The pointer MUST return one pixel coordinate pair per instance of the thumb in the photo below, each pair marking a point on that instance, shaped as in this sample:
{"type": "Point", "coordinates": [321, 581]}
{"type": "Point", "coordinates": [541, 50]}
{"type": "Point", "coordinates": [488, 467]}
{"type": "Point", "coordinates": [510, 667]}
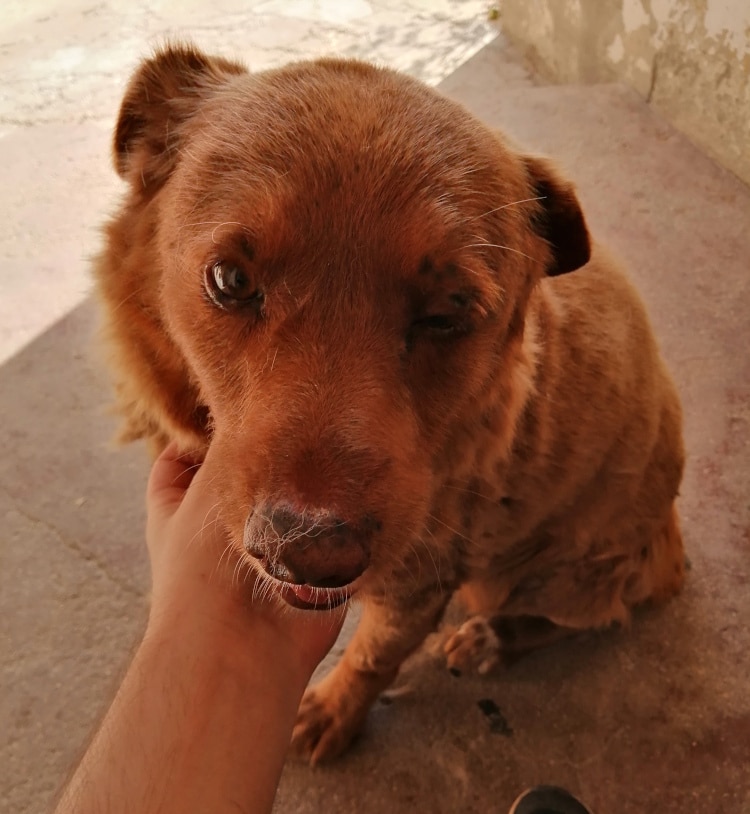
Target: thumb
{"type": "Point", "coordinates": [171, 475]}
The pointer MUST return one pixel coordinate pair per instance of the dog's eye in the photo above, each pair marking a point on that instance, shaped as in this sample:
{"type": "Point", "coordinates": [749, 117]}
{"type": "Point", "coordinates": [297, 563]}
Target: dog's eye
{"type": "Point", "coordinates": [232, 281]}
{"type": "Point", "coordinates": [228, 283]}
{"type": "Point", "coordinates": [438, 324]}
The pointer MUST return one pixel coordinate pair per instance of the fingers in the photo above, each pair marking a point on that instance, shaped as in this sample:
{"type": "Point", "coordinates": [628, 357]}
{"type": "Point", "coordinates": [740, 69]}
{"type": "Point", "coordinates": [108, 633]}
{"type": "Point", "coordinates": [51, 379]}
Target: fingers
{"type": "Point", "coordinates": [193, 555]}
{"type": "Point", "coordinates": [171, 475]}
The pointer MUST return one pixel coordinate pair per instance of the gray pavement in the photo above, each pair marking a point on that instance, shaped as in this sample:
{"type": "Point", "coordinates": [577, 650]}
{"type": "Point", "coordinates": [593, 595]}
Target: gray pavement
{"type": "Point", "coordinates": [653, 719]}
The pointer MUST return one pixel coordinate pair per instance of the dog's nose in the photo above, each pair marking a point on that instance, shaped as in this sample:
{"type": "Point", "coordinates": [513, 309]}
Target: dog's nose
{"type": "Point", "coordinates": [314, 548]}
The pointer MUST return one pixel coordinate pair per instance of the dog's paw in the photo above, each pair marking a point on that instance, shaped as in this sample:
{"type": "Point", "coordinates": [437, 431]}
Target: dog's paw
{"type": "Point", "coordinates": [326, 724]}
{"type": "Point", "coordinates": [474, 646]}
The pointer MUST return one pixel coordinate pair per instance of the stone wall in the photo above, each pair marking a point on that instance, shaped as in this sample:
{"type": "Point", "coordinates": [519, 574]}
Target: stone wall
{"type": "Point", "coordinates": [689, 58]}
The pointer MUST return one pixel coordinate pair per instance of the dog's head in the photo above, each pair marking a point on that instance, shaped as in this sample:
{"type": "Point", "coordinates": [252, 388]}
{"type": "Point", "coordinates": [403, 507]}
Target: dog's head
{"type": "Point", "coordinates": [343, 258]}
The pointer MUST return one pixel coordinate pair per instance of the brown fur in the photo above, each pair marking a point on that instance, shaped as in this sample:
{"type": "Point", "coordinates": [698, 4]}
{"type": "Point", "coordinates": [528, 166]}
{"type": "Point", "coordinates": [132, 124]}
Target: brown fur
{"type": "Point", "coordinates": [530, 457]}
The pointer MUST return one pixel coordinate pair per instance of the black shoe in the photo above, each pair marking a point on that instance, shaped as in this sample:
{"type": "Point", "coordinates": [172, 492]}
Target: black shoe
{"type": "Point", "coordinates": [548, 800]}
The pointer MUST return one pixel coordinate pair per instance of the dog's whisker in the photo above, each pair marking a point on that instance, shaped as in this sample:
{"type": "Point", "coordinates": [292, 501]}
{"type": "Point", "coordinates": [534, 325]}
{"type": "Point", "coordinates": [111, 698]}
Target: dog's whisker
{"type": "Point", "coordinates": [130, 296]}
{"type": "Point", "coordinates": [184, 471]}
{"type": "Point", "coordinates": [228, 549]}
{"type": "Point", "coordinates": [466, 491]}
{"type": "Point", "coordinates": [204, 525]}
{"type": "Point", "coordinates": [508, 205]}
{"type": "Point", "coordinates": [500, 246]}
{"type": "Point", "coordinates": [235, 572]}
{"type": "Point", "coordinates": [412, 548]}
{"type": "Point", "coordinates": [451, 529]}
{"type": "Point", "coordinates": [435, 565]}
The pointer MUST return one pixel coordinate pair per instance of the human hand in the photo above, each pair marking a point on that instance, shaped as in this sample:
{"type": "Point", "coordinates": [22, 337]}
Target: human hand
{"type": "Point", "coordinates": [200, 577]}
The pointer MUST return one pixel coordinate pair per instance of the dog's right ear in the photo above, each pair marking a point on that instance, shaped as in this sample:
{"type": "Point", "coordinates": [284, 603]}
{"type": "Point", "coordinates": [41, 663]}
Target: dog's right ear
{"type": "Point", "coordinates": [164, 92]}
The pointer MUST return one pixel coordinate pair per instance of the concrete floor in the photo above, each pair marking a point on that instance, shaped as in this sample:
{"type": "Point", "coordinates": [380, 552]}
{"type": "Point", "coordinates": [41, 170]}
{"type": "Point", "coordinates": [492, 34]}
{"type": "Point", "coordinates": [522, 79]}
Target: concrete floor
{"type": "Point", "coordinates": [655, 719]}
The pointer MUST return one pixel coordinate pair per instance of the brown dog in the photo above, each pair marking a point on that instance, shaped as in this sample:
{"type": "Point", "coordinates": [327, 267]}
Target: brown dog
{"type": "Point", "coordinates": [360, 296]}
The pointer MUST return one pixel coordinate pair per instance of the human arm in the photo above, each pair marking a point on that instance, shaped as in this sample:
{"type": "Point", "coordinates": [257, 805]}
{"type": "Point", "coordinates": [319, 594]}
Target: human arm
{"type": "Point", "coordinates": [203, 718]}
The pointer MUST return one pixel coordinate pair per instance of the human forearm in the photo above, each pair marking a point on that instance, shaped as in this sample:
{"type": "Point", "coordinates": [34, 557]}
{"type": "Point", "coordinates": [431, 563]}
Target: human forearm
{"type": "Point", "coordinates": [200, 724]}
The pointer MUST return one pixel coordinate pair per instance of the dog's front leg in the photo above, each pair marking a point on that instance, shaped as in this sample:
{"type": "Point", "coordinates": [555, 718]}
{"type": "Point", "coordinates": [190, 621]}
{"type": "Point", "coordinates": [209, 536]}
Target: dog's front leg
{"type": "Point", "coordinates": [334, 710]}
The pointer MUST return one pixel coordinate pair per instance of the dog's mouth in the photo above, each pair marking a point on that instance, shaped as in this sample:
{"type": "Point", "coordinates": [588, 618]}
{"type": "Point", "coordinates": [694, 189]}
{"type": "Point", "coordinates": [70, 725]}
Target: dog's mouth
{"type": "Point", "coordinates": [308, 597]}
{"type": "Point", "coordinates": [303, 595]}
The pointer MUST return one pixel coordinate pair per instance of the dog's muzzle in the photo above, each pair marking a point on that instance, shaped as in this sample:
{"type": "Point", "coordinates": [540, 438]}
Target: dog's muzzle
{"type": "Point", "coordinates": [314, 554]}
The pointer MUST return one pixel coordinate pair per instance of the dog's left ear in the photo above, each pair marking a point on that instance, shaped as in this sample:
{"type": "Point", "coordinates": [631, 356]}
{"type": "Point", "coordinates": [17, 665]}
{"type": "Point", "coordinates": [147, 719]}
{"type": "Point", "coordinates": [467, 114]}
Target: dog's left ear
{"type": "Point", "coordinates": [164, 92]}
{"type": "Point", "coordinates": [559, 220]}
